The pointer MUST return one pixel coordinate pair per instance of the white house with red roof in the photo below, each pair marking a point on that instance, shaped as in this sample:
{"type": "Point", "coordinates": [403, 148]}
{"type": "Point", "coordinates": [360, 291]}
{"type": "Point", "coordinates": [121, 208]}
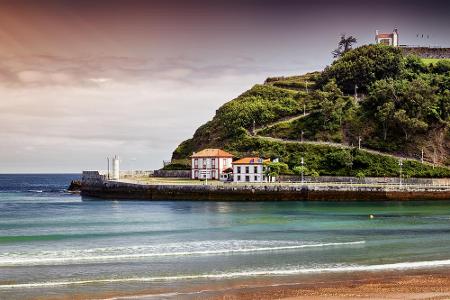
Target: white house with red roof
{"type": "Point", "coordinates": [250, 169]}
{"type": "Point", "coordinates": [388, 39]}
{"type": "Point", "coordinates": [210, 163]}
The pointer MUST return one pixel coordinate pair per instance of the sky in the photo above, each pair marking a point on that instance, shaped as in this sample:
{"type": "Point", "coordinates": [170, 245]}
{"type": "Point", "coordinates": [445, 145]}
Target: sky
{"type": "Point", "coordinates": [84, 80]}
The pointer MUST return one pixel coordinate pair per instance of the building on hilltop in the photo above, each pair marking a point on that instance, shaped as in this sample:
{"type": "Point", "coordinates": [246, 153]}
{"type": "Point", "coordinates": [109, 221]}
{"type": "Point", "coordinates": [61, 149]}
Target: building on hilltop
{"type": "Point", "coordinates": [210, 163]}
{"type": "Point", "coordinates": [388, 39]}
{"type": "Point", "coordinates": [250, 169]}
{"type": "Point", "coordinates": [423, 51]}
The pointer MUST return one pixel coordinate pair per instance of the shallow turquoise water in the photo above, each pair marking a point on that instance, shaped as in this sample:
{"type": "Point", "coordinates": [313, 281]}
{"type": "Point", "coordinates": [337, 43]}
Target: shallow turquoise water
{"type": "Point", "coordinates": [54, 243]}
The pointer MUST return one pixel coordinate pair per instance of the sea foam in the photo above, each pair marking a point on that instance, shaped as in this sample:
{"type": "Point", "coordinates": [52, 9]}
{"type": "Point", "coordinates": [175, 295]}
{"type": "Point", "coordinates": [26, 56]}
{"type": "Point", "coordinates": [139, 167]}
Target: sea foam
{"type": "Point", "coordinates": [101, 255]}
{"type": "Point", "coordinates": [249, 273]}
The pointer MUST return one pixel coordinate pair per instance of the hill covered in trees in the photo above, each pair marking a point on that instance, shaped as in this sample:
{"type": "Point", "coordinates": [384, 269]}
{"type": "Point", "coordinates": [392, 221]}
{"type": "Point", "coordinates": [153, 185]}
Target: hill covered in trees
{"type": "Point", "coordinates": [402, 108]}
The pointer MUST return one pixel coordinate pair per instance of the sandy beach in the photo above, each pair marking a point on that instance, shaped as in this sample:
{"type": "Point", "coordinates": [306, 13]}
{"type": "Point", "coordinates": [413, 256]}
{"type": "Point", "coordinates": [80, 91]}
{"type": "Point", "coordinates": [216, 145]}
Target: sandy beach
{"type": "Point", "coordinates": [418, 284]}
{"type": "Point", "coordinates": [426, 285]}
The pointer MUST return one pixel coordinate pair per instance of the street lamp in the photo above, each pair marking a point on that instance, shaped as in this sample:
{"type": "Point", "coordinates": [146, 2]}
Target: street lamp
{"type": "Point", "coordinates": [400, 163]}
{"type": "Point", "coordinates": [302, 163]}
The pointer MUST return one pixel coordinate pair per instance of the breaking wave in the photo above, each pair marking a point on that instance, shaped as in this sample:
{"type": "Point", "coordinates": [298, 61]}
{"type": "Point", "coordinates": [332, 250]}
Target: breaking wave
{"type": "Point", "coordinates": [251, 273]}
{"type": "Point", "coordinates": [100, 255]}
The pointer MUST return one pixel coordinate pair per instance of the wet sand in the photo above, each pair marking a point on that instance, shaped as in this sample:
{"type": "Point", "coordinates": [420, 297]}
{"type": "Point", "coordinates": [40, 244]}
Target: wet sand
{"type": "Point", "coordinates": [418, 284]}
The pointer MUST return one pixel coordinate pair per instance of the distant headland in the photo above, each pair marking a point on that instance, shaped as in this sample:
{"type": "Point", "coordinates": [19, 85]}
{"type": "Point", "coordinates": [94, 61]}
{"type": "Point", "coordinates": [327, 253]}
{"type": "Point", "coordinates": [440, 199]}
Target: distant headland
{"type": "Point", "coordinates": [378, 116]}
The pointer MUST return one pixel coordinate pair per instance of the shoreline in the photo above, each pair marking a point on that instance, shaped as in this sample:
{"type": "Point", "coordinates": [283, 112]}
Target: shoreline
{"type": "Point", "coordinates": [411, 284]}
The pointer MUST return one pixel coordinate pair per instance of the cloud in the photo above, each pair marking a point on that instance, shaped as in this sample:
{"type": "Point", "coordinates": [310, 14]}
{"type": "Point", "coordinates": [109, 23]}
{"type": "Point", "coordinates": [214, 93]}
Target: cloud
{"type": "Point", "coordinates": [85, 108]}
{"type": "Point", "coordinates": [54, 108]}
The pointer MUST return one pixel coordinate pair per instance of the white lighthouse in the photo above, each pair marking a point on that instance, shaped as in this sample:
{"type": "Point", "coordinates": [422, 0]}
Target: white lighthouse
{"type": "Point", "coordinates": [115, 168]}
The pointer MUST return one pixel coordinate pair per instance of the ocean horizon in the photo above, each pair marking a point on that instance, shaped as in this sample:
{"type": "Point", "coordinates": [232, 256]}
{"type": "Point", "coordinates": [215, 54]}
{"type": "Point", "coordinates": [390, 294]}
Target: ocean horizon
{"type": "Point", "coordinates": [57, 244]}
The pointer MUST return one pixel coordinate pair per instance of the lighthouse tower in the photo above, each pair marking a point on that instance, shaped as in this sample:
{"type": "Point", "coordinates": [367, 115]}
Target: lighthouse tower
{"type": "Point", "coordinates": [115, 168]}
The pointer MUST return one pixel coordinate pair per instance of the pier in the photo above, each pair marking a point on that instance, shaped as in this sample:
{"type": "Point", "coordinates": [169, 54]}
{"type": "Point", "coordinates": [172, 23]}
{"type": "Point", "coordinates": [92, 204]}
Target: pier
{"type": "Point", "coordinates": [96, 185]}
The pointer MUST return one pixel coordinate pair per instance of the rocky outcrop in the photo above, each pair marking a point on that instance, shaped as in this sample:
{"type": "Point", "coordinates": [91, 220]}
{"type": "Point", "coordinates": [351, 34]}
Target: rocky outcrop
{"type": "Point", "coordinates": [75, 186]}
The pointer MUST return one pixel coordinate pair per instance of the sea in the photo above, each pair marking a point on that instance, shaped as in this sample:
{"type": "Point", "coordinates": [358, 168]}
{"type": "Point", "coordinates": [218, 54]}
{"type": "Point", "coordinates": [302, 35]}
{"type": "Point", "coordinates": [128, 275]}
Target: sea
{"type": "Point", "coordinates": [54, 244]}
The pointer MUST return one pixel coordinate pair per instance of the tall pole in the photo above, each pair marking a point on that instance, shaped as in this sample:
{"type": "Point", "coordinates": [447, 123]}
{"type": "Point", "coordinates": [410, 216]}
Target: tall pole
{"type": "Point", "coordinates": [421, 157]}
{"type": "Point", "coordinates": [400, 163]}
{"type": "Point", "coordinates": [303, 162]}
{"type": "Point", "coordinates": [434, 157]}
{"type": "Point", "coordinates": [107, 161]}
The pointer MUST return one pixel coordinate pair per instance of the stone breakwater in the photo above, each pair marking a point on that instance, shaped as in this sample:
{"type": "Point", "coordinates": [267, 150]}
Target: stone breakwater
{"type": "Point", "coordinates": [93, 186]}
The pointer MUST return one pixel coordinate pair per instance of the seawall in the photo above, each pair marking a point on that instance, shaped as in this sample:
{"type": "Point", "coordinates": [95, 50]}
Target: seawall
{"type": "Point", "coordinates": [93, 186]}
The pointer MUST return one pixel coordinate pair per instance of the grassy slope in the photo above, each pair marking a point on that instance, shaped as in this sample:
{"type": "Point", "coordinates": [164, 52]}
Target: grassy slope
{"type": "Point", "coordinates": [268, 103]}
{"type": "Point", "coordinates": [429, 61]}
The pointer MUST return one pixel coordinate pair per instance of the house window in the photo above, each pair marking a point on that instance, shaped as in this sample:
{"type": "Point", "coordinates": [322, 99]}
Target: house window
{"type": "Point", "coordinates": [255, 169]}
{"type": "Point", "coordinates": [239, 178]}
{"type": "Point", "coordinates": [238, 169]}
{"type": "Point", "coordinates": [256, 178]}
{"type": "Point", "coordinates": [213, 163]}
{"type": "Point", "coordinates": [196, 163]}
{"type": "Point", "coordinates": [247, 170]}
{"type": "Point", "coordinates": [247, 178]}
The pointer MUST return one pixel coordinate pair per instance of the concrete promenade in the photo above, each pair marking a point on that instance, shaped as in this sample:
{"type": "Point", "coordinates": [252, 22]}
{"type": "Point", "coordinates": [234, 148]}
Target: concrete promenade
{"type": "Point", "coordinates": [95, 185]}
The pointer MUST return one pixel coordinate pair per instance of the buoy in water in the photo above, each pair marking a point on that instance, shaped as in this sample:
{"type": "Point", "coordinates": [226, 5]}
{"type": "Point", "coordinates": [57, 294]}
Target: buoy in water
{"type": "Point", "coordinates": [371, 217]}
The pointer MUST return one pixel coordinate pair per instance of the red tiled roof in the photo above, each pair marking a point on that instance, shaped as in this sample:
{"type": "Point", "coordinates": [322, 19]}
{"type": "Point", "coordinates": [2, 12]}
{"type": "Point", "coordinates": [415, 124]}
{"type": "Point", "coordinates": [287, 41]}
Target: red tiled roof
{"type": "Point", "coordinates": [385, 35]}
{"type": "Point", "coordinates": [212, 153]}
{"type": "Point", "coordinates": [250, 160]}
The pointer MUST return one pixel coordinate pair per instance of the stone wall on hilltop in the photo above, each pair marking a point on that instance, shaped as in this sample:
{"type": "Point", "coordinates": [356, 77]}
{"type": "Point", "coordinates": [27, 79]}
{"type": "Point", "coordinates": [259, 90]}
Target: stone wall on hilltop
{"type": "Point", "coordinates": [427, 52]}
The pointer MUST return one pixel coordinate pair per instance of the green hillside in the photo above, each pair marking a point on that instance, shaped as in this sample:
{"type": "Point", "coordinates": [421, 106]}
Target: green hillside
{"type": "Point", "coordinates": [402, 108]}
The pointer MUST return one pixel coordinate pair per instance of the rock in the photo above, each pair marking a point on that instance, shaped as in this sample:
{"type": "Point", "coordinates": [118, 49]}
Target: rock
{"type": "Point", "coordinates": [75, 186]}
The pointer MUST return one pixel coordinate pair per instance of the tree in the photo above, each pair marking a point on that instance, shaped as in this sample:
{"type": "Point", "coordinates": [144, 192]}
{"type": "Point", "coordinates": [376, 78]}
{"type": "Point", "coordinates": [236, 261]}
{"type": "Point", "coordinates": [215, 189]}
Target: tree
{"type": "Point", "coordinates": [411, 105]}
{"type": "Point", "coordinates": [441, 67]}
{"type": "Point", "coordinates": [274, 169]}
{"type": "Point", "coordinates": [362, 67]}
{"type": "Point", "coordinates": [313, 173]}
{"type": "Point", "coordinates": [338, 159]}
{"type": "Point", "coordinates": [331, 104]}
{"type": "Point", "coordinates": [384, 114]}
{"type": "Point", "coordinates": [408, 124]}
{"type": "Point", "coordinates": [360, 175]}
{"type": "Point", "coordinates": [345, 44]}
{"type": "Point", "coordinates": [300, 170]}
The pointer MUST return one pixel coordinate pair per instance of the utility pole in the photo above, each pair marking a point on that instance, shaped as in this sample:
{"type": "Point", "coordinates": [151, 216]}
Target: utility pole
{"type": "Point", "coordinates": [400, 163]}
